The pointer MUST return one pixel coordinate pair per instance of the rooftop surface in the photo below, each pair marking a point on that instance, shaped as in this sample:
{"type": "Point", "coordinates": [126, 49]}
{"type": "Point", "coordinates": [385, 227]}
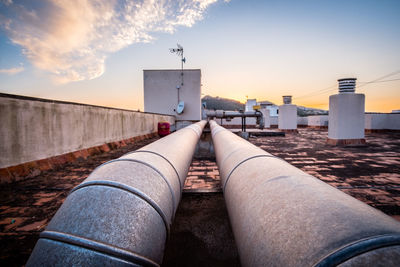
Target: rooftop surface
{"type": "Point", "coordinates": [201, 232]}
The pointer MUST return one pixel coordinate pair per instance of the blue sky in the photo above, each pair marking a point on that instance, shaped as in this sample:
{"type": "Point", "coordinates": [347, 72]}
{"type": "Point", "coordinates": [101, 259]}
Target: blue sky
{"type": "Point", "coordinates": [95, 51]}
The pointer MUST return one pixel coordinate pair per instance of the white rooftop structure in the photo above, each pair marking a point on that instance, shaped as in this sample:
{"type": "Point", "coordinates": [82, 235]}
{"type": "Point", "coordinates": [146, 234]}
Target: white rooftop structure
{"type": "Point", "coordinates": [165, 89]}
{"type": "Point", "coordinates": [249, 104]}
{"type": "Point", "coordinates": [346, 114]}
{"type": "Point", "coordinates": [287, 115]}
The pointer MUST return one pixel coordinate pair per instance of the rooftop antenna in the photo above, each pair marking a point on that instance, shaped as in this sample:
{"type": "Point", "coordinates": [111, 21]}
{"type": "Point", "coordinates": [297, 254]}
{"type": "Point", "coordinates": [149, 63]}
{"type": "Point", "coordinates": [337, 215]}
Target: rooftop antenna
{"type": "Point", "coordinates": [179, 52]}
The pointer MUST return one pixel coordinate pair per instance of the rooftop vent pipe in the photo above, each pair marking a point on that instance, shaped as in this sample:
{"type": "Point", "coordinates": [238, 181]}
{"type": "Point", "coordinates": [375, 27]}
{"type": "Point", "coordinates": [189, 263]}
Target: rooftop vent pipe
{"type": "Point", "coordinates": [121, 214]}
{"type": "Point", "coordinates": [281, 216]}
{"type": "Point", "coordinates": [287, 99]}
{"type": "Point", "coordinates": [347, 85]}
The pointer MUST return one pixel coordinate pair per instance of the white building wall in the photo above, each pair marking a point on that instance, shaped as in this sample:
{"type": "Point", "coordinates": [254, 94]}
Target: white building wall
{"type": "Point", "coordinates": [273, 110]}
{"type": "Point", "coordinates": [161, 93]}
{"type": "Point", "coordinates": [287, 117]}
{"type": "Point", "coordinates": [346, 116]}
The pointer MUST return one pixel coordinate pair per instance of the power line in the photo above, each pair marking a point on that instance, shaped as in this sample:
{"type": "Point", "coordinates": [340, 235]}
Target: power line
{"type": "Point", "coordinates": [317, 92]}
{"type": "Point", "coordinates": [329, 89]}
{"type": "Point", "coordinates": [380, 78]}
{"type": "Point", "coordinates": [381, 81]}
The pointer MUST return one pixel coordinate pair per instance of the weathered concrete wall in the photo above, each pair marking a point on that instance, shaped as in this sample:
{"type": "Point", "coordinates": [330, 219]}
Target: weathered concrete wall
{"type": "Point", "coordinates": [161, 93]}
{"type": "Point", "coordinates": [33, 129]}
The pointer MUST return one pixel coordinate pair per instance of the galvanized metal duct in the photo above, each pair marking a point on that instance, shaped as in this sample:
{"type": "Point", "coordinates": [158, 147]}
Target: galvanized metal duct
{"type": "Point", "coordinates": [232, 114]}
{"type": "Point", "coordinates": [228, 115]}
{"type": "Point", "coordinates": [121, 214]}
{"type": "Point", "coordinates": [282, 216]}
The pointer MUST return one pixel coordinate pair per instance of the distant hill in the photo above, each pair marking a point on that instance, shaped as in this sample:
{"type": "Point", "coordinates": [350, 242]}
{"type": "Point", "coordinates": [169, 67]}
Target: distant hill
{"type": "Point", "coordinates": [304, 111]}
{"type": "Point", "coordinates": [219, 103]}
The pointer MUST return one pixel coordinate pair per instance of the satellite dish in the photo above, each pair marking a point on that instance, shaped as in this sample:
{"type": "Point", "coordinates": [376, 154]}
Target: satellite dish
{"type": "Point", "coordinates": [180, 107]}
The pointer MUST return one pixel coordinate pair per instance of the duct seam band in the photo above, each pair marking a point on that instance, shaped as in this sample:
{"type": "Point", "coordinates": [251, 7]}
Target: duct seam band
{"type": "Point", "coordinates": [243, 161]}
{"type": "Point", "coordinates": [357, 248]}
{"type": "Point", "coordinates": [98, 247]}
{"type": "Point", "coordinates": [195, 128]}
{"type": "Point", "coordinates": [233, 153]}
{"type": "Point", "coordinates": [155, 153]}
{"type": "Point", "coordinates": [214, 133]}
{"type": "Point", "coordinates": [131, 190]}
{"type": "Point", "coordinates": [153, 168]}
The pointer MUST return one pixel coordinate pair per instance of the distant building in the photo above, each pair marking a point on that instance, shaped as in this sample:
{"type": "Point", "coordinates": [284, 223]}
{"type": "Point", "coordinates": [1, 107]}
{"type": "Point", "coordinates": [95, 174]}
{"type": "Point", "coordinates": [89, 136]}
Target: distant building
{"type": "Point", "coordinates": [273, 109]}
{"type": "Point", "coordinates": [249, 104]}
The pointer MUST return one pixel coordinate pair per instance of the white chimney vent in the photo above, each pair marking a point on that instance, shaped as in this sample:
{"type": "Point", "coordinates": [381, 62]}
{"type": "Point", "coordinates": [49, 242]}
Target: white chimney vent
{"type": "Point", "coordinates": [346, 115]}
{"type": "Point", "coordinates": [347, 85]}
{"type": "Point", "coordinates": [287, 120]}
{"type": "Point", "coordinates": [287, 99]}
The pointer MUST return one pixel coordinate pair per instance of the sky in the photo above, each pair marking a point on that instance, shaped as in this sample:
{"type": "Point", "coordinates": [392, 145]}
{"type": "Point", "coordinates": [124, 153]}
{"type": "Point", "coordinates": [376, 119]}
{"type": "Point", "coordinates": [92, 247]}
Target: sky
{"type": "Point", "coordinates": [95, 51]}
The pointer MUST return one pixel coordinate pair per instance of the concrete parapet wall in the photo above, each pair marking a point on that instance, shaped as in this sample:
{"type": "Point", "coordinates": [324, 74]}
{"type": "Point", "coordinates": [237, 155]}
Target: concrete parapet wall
{"type": "Point", "coordinates": [393, 121]}
{"type": "Point", "coordinates": [319, 121]}
{"type": "Point", "coordinates": [382, 121]}
{"type": "Point", "coordinates": [34, 129]}
{"type": "Point", "coordinates": [375, 121]}
{"type": "Point", "coordinates": [302, 121]}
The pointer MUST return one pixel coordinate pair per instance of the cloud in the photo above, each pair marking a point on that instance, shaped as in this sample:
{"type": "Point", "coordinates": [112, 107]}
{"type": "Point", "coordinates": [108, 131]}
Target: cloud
{"type": "Point", "coordinates": [12, 71]}
{"type": "Point", "coordinates": [6, 2]}
{"type": "Point", "coordinates": [71, 39]}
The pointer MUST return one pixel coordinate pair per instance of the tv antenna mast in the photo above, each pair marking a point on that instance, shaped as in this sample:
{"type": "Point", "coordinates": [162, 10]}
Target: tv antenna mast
{"type": "Point", "coordinates": [179, 52]}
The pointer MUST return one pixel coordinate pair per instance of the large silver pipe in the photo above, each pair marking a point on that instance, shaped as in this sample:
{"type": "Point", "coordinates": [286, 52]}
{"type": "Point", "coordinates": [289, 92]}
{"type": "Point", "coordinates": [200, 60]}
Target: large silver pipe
{"type": "Point", "coordinates": [228, 115]}
{"type": "Point", "coordinates": [281, 216]}
{"type": "Point", "coordinates": [121, 214]}
{"type": "Point", "coordinates": [232, 114]}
